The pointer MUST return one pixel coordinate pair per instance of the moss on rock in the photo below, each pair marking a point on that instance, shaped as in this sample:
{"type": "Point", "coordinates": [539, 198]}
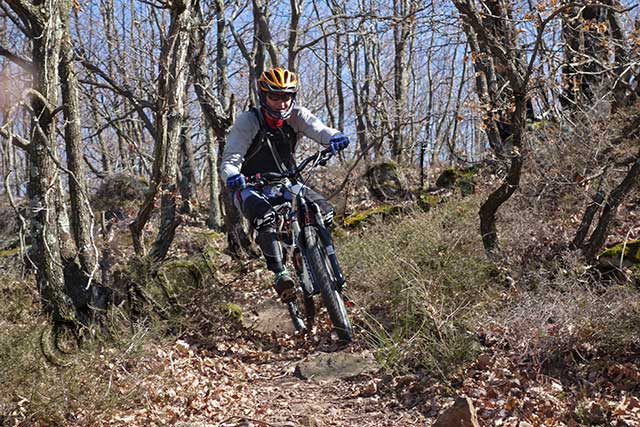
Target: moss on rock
{"type": "Point", "coordinates": [427, 200]}
{"type": "Point", "coordinates": [464, 179]}
{"type": "Point", "coordinates": [233, 311]}
{"type": "Point", "coordinates": [386, 181]}
{"type": "Point", "coordinates": [9, 252]}
{"type": "Point", "coordinates": [625, 251]}
{"type": "Point", "coordinates": [183, 275]}
{"type": "Point", "coordinates": [357, 218]}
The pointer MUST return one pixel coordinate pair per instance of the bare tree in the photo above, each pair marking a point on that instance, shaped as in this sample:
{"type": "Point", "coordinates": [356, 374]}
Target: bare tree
{"type": "Point", "coordinates": [502, 45]}
{"type": "Point", "coordinates": [169, 121]}
{"type": "Point", "coordinates": [82, 221]}
{"type": "Point", "coordinates": [596, 54]}
{"type": "Point", "coordinates": [216, 120]}
{"type": "Point", "coordinates": [66, 292]}
{"type": "Point", "coordinates": [403, 30]}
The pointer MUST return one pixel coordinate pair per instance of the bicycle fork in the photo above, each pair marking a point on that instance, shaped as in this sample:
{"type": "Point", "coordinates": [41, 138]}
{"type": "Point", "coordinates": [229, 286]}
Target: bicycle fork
{"type": "Point", "coordinates": [305, 212]}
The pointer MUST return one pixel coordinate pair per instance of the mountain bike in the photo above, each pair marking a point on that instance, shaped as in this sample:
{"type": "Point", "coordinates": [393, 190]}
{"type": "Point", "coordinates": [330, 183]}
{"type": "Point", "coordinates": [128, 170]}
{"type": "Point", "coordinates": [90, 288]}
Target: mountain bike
{"type": "Point", "coordinates": [307, 244]}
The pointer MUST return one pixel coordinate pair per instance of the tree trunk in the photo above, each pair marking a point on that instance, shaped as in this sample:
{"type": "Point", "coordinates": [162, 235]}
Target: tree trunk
{"type": "Point", "coordinates": [294, 20]}
{"type": "Point", "coordinates": [217, 122]}
{"type": "Point", "coordinates": [169, 121]}
{"type": "Point", "coordinates": [47, 28]}
{"type": "Point", "coordinates": [401, 33]}
{"type": "Point", "coordinates": [170, 118]}
{"type": "Point", "coordinates": [500, 41]}
{"type": "Point", "coordinates": [82, 220]}
{"type": "Point", "coordinates": [263, 37]}
{"type": "Point", "coordinates": [599, 235]}
{"type": "Point", "coordinates": [497, 198]}
{"type": "Point", "coordinates": [187, 173]}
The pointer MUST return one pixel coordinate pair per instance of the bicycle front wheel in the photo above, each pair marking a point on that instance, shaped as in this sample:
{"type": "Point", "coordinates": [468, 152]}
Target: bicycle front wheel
{"type": "Point", "coordinates": [324, 279]}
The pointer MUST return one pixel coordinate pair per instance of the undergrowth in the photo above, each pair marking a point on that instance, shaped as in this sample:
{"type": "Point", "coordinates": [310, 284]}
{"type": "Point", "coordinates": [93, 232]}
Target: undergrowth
{"type": "Point", "coordinates": [105, 374]}
{"type": "Point", "coordinates": [422, 283]}
{"type": "Point", "coordinates": [567, 315]}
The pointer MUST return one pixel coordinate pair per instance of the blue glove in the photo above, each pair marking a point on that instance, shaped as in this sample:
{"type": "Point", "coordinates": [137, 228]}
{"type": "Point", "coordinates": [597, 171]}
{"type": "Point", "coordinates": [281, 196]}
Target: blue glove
{"type": "Point", "coordinates": [236, 182]}
{"type": "Point", "coordinates": [338, 142]}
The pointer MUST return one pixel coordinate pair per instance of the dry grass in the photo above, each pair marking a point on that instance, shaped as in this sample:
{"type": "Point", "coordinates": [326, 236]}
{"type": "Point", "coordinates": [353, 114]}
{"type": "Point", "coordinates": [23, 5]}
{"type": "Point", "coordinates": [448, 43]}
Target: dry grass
{"type": "Point", "coordinates": [421, 283]}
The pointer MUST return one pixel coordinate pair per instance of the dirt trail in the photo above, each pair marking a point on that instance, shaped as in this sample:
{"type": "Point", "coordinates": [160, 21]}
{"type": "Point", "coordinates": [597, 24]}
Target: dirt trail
{"type": "Point", "coordinates": [249, 369]}
{"type": "Point", "coordinates": [263, 380]}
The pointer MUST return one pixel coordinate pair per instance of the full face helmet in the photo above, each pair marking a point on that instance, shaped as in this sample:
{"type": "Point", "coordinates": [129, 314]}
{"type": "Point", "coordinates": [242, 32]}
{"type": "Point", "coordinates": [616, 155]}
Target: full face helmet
{"type": "Point", "coordinates": [278, 82]}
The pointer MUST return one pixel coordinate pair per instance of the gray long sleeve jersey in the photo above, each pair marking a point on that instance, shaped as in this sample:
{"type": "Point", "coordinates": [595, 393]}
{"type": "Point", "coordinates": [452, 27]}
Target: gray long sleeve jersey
{"type": "Point", "coordinates": [246, 127]}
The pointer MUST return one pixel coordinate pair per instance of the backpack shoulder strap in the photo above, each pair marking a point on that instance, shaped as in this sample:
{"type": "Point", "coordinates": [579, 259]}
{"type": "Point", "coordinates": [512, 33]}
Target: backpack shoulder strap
{"type": "Point", "coordinates": [260, 137]}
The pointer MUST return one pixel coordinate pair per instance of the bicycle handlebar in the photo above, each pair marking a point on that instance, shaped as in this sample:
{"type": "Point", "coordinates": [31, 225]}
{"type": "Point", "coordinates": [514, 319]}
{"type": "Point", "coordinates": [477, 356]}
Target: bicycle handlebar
{"type": "Point", "coordinates": [318, 158]}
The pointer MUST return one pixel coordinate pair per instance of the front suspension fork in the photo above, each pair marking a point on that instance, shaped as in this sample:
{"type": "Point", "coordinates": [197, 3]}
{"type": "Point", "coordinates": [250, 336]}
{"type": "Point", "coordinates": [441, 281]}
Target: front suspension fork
{"type": "Point", "coordinates": [308, 209]}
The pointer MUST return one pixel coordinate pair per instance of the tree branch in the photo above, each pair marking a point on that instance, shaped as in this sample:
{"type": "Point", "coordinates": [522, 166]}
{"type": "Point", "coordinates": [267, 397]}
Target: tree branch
{"type": "Point", "coordinates": [22, 62]}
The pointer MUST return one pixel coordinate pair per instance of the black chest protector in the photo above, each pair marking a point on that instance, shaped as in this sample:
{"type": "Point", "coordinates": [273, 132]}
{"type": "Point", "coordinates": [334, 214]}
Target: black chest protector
{"type": "Point", "coordinates": [271, 149]}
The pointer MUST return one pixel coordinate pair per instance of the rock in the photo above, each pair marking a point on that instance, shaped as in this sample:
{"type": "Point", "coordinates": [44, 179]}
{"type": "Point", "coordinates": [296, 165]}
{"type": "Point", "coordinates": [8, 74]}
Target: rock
{"type": "Point", "coordinates": [461, 414]}
{"type": "Point", "coordinates": [269, 316]}
{"type": "Point", "coordinates": [382, 211]}
{"type": "Point", "coordinates": [386, 182]}
{"type": "Point", "coordinates": [309, 421]}
{"type": "Point", "coordinates": [117, 191]}
{"type": "Point", "coordinates": [463, 179]}
{"type": "Point", "coordinates": [430, 198]}
{"type": "Point", "coordinates": [623, 254]}
{"type": "Point", "coordinates": [336, 366]}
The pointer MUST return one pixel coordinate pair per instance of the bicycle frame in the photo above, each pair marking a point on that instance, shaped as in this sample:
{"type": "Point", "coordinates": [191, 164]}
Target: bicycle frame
{"type": "Point", "coordinates": [302, 220]}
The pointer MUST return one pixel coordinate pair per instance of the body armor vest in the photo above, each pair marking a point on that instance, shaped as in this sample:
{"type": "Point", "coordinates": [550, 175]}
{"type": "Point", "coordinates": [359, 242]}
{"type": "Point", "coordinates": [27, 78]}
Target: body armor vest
{"type": "Point", "coordinates": [271, 149]}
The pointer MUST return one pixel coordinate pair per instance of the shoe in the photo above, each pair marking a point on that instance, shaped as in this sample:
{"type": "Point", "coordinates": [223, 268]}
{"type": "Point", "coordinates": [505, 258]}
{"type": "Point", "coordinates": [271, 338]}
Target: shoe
{"type": "Point", "coordinates": [285, 287]}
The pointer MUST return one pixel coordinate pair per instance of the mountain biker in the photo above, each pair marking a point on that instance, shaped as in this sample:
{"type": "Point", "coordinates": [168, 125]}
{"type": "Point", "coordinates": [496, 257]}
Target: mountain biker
{"type": "Point", "coordinates": [264, 140]}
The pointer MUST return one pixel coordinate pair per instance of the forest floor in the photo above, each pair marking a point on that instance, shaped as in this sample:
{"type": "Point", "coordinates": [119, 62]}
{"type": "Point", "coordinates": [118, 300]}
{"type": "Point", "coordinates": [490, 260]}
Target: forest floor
{"type": "Point", "coordinates": [249, 369]}
{"type": "Point", "coordinates": [236, 361]}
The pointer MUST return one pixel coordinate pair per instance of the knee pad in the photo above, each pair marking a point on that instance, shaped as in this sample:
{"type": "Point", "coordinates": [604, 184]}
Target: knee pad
{"type": "Point", "coordinates": [265, 221]}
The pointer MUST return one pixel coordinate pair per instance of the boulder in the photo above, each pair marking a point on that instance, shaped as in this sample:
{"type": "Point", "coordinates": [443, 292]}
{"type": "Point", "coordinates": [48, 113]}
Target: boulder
{"type": "Point", "coordinates": [430, 198]}
{"type": "Point", "coordinates": [117, 191]}
{"type": "Point", "coordinates": [461, 414]}
{"type": "Point", "coordinates": [461, 178]}
{"type": "Point", "coordinates": [327, 366]}
{"type": "Point", "coordinates": [625, 254]}
{"type": "Point", "coordinates": [386, 181]}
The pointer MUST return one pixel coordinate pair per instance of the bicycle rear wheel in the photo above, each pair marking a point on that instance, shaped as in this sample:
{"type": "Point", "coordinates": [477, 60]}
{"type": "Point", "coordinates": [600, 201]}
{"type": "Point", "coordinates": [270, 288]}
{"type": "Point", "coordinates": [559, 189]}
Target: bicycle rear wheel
{"type": "Point", "coordinates": [323, 277]}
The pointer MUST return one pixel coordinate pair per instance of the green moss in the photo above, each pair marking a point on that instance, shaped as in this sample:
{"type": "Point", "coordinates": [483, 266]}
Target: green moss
{"type": "Point", "coordinates": [427, 201]}
{"type": "Point", "coordinates": [9, 252]}
{"type": "Point", "coordinates": [386, 181]}
{"type": "Point", "coordinates": [358, 218]}
{"type": "Point", "coordinates": [212, 236]}
{"type": "Point", "coordinates": [631, 252]}
{"type": "Point", "coordinates": [181, 276]}
{"type": "Point", "coordinates": [234, 311]}
{"type": "Point", "coordinates": [210, 254]}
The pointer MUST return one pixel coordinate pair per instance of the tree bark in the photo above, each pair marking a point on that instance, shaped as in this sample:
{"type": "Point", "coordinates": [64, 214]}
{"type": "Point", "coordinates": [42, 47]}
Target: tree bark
{"type": "Point", "coordinates": [216, 120]}
{"type": "Point", "coordinates": [501, 43]}
{"type": "Point", "coordinates": [47, 28]}
{"type": "Point", "coordinates": [599, 235]}
{"type": "Point", "coordinates": [169, 121]}
{"type": "Point", "coordinates": [187, 172]}
{"type": "Point", "coordinates": [82, 221]}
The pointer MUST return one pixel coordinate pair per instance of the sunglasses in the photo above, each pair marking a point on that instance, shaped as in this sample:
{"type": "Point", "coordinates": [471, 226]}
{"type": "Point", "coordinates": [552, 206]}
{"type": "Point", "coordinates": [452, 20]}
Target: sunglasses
{"type": "Point", "coordinates": [280, 96]}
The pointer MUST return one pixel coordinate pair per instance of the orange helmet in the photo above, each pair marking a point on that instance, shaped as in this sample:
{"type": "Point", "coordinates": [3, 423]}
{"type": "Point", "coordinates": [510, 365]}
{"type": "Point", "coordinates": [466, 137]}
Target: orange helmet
{"type": "Point", "coordinates": [278, 80]}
